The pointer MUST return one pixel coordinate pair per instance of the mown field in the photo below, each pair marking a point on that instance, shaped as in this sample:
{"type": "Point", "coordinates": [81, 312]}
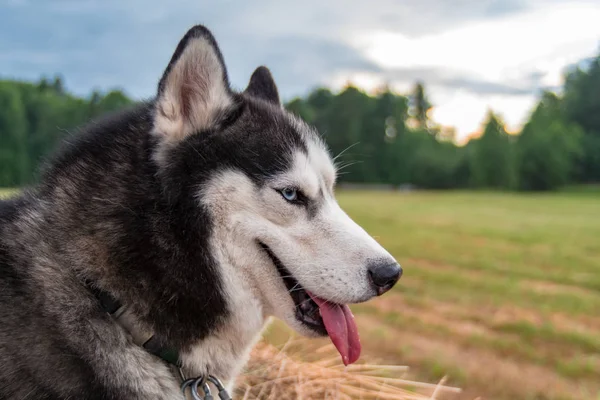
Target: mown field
{"type": "Point", "coordinates": [501, 292]}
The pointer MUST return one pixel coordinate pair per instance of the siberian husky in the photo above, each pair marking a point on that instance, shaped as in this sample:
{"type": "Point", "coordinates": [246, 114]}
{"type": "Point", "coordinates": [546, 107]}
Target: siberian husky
{"type": "Point", "coordinates": [173, 231]}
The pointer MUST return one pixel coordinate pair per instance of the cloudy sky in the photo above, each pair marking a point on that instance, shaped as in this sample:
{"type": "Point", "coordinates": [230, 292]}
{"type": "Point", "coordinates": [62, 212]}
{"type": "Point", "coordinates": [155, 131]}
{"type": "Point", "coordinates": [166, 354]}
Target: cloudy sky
{"type": "Point", "coordinates": [471, 54]}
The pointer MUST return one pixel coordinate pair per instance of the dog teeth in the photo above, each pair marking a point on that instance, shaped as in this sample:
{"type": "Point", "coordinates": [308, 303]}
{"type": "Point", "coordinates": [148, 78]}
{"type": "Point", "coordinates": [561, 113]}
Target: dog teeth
{"type": "Point", "coordinates": [311, 320]}
{"type": "Point", "coordinates": [308, 311]}
{"type": "Point", "coordinates": [306, 307]}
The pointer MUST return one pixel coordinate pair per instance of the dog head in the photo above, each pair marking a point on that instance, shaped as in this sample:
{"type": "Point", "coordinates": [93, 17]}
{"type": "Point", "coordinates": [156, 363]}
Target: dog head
{"type": "Point", "coordinates": [266, 181]}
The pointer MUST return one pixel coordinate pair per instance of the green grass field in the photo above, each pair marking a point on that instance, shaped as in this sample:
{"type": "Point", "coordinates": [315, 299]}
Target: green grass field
{"type": "Point", "coordinates": [6, 192]}
{"type": "Point", "coordinates": [501, 292]}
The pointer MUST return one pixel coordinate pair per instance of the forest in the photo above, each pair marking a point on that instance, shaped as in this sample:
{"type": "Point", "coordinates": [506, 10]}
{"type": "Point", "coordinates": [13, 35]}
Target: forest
{"type": "Point", "coordinates": [383, 137]}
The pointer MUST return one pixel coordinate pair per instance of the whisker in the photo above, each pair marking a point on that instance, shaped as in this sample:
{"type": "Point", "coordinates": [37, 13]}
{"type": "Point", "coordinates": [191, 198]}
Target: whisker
{"type": "Point", "coordinates": [346, 165]}
{"type": "Point", "coordinates": [345, 150]}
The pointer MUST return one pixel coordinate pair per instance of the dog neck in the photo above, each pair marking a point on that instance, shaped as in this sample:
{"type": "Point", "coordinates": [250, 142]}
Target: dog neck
{"type": "Point", "coordinates": [226, 350]}
{"type": "Point", "coordinates": [221, 354]}
{"type": "Point", "coordinates": [142, 337]}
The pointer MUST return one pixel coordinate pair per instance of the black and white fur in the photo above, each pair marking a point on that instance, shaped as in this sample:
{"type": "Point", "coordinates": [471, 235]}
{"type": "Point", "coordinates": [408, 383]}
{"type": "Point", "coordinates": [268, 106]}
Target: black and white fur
{"type": "Point", "coordinates": [168, 206]}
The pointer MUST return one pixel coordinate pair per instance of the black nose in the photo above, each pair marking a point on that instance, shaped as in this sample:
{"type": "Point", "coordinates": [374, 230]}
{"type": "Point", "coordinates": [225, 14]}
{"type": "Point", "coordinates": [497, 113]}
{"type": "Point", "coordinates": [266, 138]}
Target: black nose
{"type": "Point", "coordinates": [384, 275]}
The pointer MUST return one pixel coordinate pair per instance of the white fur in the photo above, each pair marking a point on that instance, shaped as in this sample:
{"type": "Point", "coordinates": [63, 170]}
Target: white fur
{"type": "Point", "coordinates": [225, 352]}
{"type": "Point", "coordinates": [327, 253]}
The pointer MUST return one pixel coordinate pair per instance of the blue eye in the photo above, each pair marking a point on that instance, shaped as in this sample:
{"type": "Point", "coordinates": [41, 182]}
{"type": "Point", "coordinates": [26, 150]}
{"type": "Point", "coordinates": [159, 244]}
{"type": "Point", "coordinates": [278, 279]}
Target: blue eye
{"type": "Point", "coordinates": [290, 194]}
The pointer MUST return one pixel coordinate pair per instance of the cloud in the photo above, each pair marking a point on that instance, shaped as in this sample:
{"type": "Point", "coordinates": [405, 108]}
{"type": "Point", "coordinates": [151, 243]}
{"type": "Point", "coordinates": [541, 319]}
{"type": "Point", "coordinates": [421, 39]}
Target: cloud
{"type": "Point", "coordinates": [499, 63]}
{"type": "Point", "coordinates": [403, 78]}
{"type": "Point", "coordinates": [299, 63]}
{"type": "Point", "coordinates": [470, 53]}
{"type": "Point", "coordinates": [479, 86]}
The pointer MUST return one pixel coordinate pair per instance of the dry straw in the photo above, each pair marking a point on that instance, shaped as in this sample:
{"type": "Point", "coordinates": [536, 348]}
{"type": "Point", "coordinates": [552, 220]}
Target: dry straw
{"type": "Point", "coordinates": [299, 370]}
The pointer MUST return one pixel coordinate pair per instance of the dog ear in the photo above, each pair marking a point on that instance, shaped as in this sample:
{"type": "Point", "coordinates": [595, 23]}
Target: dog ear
{"type": "Point", "coordinates": [263, 86]}
{"type": "Point", "coordinates": [194, 89]}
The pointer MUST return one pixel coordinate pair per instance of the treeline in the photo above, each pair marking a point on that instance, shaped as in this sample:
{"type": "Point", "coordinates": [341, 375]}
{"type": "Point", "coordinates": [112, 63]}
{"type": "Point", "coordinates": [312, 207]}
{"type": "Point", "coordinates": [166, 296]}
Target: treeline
{"type": "Point", "coordinates": [384, 138]}
{"type": "Point", "coordinates": [390, 139]}
{"type": "Point", "coordinates": [34, 118]}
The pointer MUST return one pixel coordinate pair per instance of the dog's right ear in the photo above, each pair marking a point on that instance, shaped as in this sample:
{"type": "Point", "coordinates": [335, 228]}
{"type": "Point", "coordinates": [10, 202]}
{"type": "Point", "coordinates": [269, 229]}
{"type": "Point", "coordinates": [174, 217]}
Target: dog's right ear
{"type": "Point", "coordinates": [262, 85]}
{"type": "Point", "coordinates": [194, 90]}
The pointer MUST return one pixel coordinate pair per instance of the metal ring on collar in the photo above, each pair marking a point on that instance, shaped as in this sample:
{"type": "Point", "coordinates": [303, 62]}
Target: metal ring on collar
{"type": "Point", "coordinates": [223, 394]}
{"type": "Point", "coordinates": [205, 388]}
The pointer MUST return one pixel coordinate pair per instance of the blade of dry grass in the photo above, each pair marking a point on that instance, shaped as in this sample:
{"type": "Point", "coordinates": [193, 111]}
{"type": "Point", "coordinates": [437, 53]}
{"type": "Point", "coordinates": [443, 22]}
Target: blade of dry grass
{"type": "Point", "coordinates": [298, 370]}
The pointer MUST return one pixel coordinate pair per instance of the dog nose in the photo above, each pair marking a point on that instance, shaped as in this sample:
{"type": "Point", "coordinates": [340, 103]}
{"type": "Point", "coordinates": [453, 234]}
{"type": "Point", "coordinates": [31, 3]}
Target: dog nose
{"type": "Point", "coordinates": [384, 275]}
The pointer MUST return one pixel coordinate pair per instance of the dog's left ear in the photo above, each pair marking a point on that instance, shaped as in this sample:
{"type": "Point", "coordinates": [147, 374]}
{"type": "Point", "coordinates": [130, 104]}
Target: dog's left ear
{"type": "Point", "coordinates": [263, 86]}
{"type": "Point", "coordinates": [194, 90]}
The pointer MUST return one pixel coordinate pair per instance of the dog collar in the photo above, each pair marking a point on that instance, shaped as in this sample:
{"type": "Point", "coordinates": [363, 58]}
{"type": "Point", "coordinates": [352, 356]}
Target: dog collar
{"type": "Point", "coordinates": [123, 316]}
{"type": "Point", "coordinates": [153, 345]}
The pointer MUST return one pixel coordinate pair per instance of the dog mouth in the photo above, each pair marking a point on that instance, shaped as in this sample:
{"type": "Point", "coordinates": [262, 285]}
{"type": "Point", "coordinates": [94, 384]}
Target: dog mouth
{"type": "Point", "coordinates": [319, 315]}
{"type": "Point", "coordinates": [306, 310]}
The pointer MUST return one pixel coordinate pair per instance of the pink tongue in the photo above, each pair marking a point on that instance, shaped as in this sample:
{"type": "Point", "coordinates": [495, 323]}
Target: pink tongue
{"type": "Point", "coordinates": [341, 327]}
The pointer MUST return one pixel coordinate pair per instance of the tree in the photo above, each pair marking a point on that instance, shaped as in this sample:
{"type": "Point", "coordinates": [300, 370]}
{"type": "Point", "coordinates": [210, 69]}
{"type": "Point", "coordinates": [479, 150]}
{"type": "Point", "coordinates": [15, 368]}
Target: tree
{"type": "Point", "coordinates": [114, 100]}
{"type": "Point", "coordinates": [582, 107]}
{"type": "Point", "coordinates": [548, 147]}
{"type": "Point", "coordinates": [345, 128]}
{"type": "Point", "coordinates": [302, 109]}
{"type": "Point", "coordinates": [58, 86]}
{"type": "Point", "coordinates": [381, 127]}
{"type": "Point", "coordinates": [434, 164]}
{"type": "Point", "coordinates": [320, 102]}
{"type": "Point", "coordinates": [491, 157]}
{"type": "Point", "coordinates": [35, 117]}
{"type": "Point", "coordinates": [419, 106]}
{"type": "Point", "coordinates": [14, 161]}
{"type": "Point", "coordinates": [43, 85]}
